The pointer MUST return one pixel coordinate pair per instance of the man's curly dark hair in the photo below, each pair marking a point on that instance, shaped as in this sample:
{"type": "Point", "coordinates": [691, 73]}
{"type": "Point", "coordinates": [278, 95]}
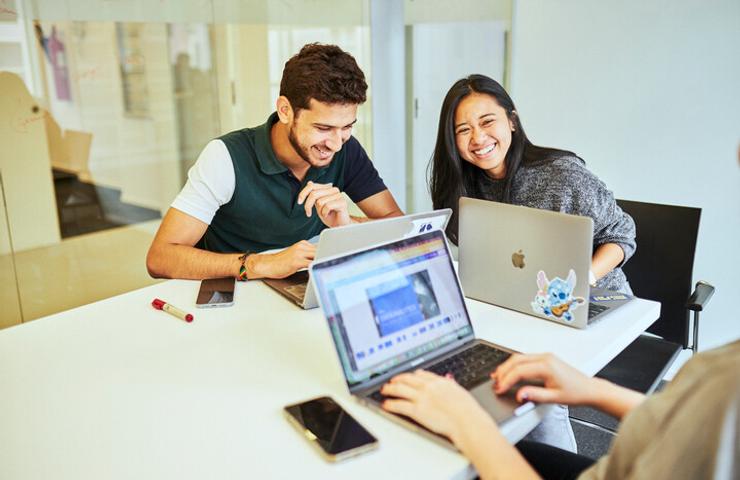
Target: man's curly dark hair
{"type": "Point", "coordinates": [325, 73]}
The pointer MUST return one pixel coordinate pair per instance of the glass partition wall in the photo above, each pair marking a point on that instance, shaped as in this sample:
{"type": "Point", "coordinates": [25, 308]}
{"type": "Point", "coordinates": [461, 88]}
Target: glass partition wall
{"type": "Point", "coordinates": [107, 104]}
{"type": "Point", "coordinates": [121, 97]}
{"type": "Point", "coordinates": [10, 313]}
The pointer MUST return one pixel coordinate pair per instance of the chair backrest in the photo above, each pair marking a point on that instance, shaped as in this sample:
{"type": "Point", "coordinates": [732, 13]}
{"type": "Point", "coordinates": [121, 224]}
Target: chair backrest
{"type": "Point", "coordinates": [661, 268]}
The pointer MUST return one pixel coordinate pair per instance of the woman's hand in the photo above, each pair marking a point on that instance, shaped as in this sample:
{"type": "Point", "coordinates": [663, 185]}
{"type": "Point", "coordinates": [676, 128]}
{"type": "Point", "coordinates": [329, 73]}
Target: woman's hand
{"type": "Point", "coordinates": [606, 258]}
{"type": "Point", "coordinates": [562, 383]}
{"type": "Point", "coordinates": [443, 406]}
{"type": "Point", "coordinates": [438, 403]}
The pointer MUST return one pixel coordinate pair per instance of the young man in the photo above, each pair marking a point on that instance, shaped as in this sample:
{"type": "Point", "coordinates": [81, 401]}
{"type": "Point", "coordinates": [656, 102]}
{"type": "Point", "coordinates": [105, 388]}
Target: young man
{"type": "Point", "coordinates": [278, 184]}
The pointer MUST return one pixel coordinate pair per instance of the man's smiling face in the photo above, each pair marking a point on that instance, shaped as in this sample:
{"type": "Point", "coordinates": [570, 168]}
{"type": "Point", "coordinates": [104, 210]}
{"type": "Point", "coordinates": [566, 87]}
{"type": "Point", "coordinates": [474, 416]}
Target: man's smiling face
{"type": "Point", "coordinates": [319, 131]}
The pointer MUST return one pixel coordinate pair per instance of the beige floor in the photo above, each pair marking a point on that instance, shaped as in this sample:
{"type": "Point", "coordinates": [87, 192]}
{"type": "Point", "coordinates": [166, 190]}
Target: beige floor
{"type": "Point", "coordinates": [77, 271]}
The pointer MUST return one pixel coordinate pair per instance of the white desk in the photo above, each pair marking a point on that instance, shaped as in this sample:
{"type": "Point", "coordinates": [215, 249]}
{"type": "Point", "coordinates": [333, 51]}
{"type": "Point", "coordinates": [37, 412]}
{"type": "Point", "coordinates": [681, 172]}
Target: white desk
{"type": "Point", "coordinates": [117, 389]}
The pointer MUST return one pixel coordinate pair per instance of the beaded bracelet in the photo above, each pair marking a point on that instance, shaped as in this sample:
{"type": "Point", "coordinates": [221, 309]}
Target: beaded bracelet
{"type": "Point", "coordinates": [243, 269]}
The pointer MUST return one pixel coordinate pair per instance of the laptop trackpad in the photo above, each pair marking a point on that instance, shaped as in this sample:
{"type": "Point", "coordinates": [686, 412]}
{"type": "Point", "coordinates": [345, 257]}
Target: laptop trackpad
{"type": "Point", "coordinates": [500, 407]}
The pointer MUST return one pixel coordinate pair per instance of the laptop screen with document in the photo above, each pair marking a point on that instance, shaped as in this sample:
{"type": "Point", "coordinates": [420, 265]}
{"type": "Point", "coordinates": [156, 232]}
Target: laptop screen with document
{"type": "Point", "coordinates": [391, 304]}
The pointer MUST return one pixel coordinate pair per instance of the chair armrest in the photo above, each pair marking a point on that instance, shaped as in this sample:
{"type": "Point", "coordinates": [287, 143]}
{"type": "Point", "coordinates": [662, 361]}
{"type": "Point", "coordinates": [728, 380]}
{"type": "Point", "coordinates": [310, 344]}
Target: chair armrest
{"type": "Point", "coordinates": [700, 297]}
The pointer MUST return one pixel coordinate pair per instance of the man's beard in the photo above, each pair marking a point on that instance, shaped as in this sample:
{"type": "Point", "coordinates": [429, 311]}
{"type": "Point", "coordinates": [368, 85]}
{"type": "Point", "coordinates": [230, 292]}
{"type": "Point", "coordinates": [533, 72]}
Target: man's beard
{"type": "Point", "coordinates": [302, 152]}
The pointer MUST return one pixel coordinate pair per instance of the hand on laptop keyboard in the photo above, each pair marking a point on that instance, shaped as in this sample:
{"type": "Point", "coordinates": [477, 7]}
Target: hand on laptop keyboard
{"type": "Point", "coordinates": [468, 368]}
{"type": "Point", "coordinates": [437, 403]}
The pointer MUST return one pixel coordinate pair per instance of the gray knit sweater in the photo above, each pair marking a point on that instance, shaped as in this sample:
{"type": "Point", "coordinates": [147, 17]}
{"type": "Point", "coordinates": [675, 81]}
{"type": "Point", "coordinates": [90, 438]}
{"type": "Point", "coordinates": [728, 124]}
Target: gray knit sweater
{"type": "Point", "coordinates": [565, 185]}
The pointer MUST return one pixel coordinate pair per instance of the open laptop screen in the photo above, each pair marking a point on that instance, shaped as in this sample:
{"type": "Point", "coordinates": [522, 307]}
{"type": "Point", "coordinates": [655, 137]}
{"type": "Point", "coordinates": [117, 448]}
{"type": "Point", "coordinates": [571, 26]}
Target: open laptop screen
{"type": "Point", "coordinates": [391, 304]}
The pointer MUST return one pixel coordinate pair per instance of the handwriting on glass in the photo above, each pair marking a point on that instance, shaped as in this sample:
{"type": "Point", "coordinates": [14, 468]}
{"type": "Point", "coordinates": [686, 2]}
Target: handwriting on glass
{"type": "Point", "coordinates": [88, 74]}
{"type": "Point", "coordinates": [22, 120]}
{"type": "Point", "coordinates": [5, 9]}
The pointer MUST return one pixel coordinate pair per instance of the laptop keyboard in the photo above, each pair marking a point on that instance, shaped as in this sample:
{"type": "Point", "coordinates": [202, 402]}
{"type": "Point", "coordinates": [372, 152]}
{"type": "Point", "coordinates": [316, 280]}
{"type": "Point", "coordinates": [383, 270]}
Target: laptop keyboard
{"type": "Point", "coordinates": [470, 367]}
{"type": "Point", "coordinates": [595, 309]}
{"type": "Point", "coordinates": [298, 291]}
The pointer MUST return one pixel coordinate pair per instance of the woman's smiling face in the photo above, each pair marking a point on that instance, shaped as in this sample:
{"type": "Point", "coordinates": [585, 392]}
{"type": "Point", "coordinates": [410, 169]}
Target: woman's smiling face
{"type": "Point", "coordinates": [483, 133]}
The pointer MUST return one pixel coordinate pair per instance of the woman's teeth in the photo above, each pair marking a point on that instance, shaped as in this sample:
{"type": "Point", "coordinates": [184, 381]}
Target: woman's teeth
{"type": "Point", "coordinates": [484, 151]}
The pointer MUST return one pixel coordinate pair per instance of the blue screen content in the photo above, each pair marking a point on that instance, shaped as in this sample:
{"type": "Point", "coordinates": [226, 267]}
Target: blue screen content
{"type": "Point", "coordinates": [405, 302]}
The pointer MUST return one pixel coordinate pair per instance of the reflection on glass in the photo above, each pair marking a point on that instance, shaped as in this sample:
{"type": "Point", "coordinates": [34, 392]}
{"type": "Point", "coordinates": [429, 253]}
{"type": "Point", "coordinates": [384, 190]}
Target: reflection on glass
{"type": "Point", "coordinates": [10, 306]}
{"type": "Point", "coordinates": [196, 97]}
{"type": "Point", "coordinates": [127, 96]}
{"type": "Point", "coordinates": [133, 69]}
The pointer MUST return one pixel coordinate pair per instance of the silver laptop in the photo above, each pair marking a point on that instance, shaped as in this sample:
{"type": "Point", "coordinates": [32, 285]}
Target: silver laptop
{"type": "Point", "coordinates": [398, 307]}
{"type": "Point", "coordinates": [297, 287]}
{"type": "Point", "coordinates": [531, 260]}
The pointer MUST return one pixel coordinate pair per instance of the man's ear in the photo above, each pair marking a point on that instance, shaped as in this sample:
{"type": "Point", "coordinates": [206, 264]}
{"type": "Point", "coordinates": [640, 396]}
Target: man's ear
{"type": "Point", "coordinates": [284, 110]}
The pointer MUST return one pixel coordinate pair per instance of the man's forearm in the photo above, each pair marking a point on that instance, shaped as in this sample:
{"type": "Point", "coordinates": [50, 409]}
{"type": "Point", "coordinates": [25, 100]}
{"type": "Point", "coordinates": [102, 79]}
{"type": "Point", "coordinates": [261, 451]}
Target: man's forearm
{"type": "Point", "coordinates": [185, 262]}
{"type": "Point", "coordinates": [356, 219]}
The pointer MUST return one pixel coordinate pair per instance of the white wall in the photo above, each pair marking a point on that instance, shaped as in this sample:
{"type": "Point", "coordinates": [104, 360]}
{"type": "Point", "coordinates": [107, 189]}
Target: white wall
{"type": "Point", "coordinates": [647, 94]}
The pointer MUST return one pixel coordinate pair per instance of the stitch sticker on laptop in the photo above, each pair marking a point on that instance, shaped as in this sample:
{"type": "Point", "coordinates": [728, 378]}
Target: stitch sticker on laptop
{"type": "Point", "coordinates": [555, 297]}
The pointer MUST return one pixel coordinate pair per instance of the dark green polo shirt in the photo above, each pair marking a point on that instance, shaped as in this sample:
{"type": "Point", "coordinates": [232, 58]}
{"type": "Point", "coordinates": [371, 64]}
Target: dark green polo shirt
{"type": "Point", "coordinates": [263, 213]}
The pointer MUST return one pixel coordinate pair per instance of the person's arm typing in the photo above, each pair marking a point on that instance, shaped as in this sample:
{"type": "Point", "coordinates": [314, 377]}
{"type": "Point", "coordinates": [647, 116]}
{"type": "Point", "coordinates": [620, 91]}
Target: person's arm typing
{"type": "Point", "coordinates": [443, 406]}
{"type": "Point", "coordinates": [562, 384]}
{"type": "Point", "coordinates": [281, 264]}
{"type": "Point", "coordinates": [173, 255]}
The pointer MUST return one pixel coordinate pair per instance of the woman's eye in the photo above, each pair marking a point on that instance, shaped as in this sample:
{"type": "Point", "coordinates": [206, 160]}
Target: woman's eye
{"type": "Point", "coordinates": [487, 122]}
{"type": "Point", "coordinates": [463, 131]}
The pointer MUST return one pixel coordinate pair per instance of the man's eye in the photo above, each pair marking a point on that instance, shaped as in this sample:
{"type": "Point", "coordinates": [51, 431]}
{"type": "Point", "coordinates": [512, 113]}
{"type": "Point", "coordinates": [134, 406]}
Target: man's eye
{"type": "Point", "coordinates": [323, 129]}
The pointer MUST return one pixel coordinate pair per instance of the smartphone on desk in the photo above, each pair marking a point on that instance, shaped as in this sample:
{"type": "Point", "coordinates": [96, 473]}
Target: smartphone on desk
{"type": "Point", "coordinates": [330, 428]}
{"type": "Point", "coordinates": [216, 292]}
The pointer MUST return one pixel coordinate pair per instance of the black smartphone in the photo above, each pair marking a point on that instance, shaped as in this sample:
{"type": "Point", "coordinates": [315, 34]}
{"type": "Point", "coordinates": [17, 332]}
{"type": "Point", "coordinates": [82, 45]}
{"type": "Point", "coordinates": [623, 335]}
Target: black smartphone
{"type": "Point", "coordinates": [216, 292]}
{"type": "Point", "coordinates": [327, 426]}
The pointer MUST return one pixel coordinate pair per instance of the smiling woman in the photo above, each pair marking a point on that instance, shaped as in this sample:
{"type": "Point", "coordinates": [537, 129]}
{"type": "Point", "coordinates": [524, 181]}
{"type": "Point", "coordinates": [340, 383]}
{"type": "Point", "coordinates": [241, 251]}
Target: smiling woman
{"type": "Point", "coordinates": [483, 152]}
{"type": "Point", "coordinates": [483, 133]}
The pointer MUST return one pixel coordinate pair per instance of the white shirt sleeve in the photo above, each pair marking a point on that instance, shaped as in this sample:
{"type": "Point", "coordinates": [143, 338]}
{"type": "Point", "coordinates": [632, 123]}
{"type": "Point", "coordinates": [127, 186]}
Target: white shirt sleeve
{"type": "Point", "coordinates": [211, 183]}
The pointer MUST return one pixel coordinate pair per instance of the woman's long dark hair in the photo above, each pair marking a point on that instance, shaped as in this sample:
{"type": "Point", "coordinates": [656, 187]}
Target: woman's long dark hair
{"type": "Point", "coordinates": [451, 177]}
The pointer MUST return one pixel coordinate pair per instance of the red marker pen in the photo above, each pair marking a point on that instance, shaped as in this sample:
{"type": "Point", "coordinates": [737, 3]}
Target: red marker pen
{"type": "Point", "coordinates": [172, 310]}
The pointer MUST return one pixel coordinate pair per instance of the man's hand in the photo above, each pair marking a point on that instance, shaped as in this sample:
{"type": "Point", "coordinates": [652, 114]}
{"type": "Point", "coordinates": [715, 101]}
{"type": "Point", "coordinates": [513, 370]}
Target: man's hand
{"type": "Point", "coordinates": [329, 202]}
{"type": "Point", "coordinates": [281, 264]}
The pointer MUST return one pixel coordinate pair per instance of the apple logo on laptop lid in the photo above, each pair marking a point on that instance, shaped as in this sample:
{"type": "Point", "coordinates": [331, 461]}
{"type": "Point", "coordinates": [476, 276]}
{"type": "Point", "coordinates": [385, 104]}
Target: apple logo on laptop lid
{"type": "Point", "coordinates": [517, 259]}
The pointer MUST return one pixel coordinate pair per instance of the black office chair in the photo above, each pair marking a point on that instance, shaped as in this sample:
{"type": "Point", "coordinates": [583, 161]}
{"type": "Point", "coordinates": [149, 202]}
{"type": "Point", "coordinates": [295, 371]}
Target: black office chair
{"type": "Point", "coordinates": [661, 269]}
